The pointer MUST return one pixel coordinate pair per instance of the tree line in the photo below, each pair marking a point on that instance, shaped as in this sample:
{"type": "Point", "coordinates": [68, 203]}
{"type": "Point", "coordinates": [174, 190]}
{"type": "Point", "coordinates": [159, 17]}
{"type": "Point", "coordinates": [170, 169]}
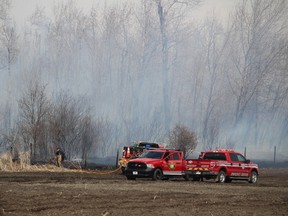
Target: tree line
{"type": "Point", "coordinates": [146, 67]}
{"type": "Point", "coordinates": [44, 124]}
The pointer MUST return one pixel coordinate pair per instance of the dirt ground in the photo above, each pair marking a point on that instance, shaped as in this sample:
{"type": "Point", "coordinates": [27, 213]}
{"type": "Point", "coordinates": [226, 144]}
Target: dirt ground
{"type": "Point", "coordinates": [74, 193]}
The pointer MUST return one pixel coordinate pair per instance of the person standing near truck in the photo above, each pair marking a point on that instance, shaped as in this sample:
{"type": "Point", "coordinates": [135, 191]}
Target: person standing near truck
{"type": "Point", "coordinates": [59, 157]}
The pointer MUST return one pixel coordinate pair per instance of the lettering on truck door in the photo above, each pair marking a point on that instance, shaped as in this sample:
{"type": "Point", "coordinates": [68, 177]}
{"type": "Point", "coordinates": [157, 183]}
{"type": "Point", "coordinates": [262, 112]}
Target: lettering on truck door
{"type": "Point", "coordinates": [239, 167]}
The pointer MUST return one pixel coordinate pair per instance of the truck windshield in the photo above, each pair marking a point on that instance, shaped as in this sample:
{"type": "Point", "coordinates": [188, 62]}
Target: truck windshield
{"type": "Point", "coordinates": [150, 154]}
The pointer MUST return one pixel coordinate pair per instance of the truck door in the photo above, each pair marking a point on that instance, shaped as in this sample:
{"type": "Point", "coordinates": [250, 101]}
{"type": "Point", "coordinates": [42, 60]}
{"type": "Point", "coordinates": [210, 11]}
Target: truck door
{"type": "Point", "coordinates": [173, 164]}
{"type": "Point", "coordinates": [239, 167]}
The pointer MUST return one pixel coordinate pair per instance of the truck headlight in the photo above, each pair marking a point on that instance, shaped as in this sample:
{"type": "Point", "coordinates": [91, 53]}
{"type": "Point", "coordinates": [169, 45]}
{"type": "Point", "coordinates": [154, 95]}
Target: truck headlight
{"type": "Point", "coordinates": [150, 166]}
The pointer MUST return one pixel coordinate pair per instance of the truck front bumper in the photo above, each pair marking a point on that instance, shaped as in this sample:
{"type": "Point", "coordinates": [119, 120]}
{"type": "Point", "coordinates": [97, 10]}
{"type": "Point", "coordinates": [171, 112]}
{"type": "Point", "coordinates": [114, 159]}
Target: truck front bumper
{"type": "Point", "coordinates": [139, 173]}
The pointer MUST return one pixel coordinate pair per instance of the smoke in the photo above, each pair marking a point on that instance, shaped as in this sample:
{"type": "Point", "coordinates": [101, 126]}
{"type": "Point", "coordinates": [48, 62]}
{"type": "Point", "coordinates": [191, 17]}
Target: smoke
{"type": "Point", "coordinates": [113, 57]}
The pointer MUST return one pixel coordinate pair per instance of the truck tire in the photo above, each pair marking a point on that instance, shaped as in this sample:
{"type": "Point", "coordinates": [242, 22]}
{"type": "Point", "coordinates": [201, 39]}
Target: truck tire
{"type": "Point", "coordinates": [221, 177]}
{"type": "Point", "coordinates": [253, 177]}
{"type": "Point", "coordinates": [157, 175]}
{"type": "Point", "coordinates": [186, 177]}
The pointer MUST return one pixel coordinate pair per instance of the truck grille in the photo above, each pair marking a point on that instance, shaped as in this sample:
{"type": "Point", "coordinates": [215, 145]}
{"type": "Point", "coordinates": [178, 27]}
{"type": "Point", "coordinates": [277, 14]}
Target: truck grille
{"type": "Point", "coordinates": [137, 165]}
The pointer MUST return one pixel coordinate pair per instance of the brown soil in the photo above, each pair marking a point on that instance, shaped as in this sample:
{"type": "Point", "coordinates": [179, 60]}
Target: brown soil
{"type": "Point", "coordinates": [74, 193]}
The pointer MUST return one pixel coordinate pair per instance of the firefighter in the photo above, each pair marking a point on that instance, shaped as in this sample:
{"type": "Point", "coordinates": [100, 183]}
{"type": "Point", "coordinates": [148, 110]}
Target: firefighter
{"type": "Point", "coordinates": [133, 155]}
{"type": "Point", "coordinates": [59, 157]}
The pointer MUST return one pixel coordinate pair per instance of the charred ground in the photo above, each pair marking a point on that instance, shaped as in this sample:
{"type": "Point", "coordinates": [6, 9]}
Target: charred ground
{"type": "Point", "coordinates": [75, 193]}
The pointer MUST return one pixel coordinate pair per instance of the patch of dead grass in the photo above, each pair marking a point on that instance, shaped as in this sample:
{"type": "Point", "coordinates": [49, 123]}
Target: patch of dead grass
{"type": "Point", "coordinates": [7, 164]}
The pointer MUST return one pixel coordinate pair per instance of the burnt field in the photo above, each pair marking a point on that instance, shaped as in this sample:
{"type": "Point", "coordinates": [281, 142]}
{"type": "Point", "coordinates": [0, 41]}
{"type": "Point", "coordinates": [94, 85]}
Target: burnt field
{"type": "Point", "coordinates": [75, 193]}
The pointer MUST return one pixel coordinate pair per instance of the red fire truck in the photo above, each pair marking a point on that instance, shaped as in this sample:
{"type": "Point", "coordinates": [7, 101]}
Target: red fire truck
{"type": "Point", "coordinates": [222, 165]}
{"type": "Point", "coordinates": [156, 164]}
{"type": "Point", "coordinates": [134, 151]}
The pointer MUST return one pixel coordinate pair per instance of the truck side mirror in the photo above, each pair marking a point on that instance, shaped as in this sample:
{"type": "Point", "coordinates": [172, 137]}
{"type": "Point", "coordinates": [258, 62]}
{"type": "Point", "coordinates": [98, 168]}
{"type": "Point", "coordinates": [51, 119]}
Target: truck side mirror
{"type": "Point", "coordinates": [247, 161]}
{"type": "Point", "coordinates": [167, 159]}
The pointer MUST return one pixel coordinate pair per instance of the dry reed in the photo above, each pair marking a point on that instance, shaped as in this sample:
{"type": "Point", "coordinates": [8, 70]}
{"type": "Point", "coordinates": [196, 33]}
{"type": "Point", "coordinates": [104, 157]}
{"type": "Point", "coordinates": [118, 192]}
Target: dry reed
{"type": "Point", "coordinates": [7, 164]}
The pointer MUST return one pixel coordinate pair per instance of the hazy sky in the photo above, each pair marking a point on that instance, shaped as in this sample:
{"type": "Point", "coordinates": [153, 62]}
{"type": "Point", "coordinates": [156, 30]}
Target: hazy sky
{"type": "Point", "coordinates": [22, 10]}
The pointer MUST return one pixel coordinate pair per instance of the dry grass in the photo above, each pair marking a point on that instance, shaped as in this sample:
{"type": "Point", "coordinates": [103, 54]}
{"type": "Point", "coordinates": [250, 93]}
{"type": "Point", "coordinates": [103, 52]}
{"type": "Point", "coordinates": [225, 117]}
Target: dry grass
{"type": "Point", "coordinates": [6, 162]}
{"type": "Point", "coordinates": [23, 164]}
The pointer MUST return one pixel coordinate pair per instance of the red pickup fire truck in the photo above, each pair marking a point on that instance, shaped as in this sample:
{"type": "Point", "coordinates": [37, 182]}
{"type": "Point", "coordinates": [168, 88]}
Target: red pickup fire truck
{"type": "Point", "coordinates": [156, 164]}
{"type": "Point", "coordinates": [222, 165]}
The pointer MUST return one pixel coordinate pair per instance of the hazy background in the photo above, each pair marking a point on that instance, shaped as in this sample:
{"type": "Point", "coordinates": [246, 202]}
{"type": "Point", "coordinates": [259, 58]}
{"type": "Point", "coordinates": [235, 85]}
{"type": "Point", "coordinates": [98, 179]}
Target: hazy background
{"type": "Point", "coordinates": [217, 67]}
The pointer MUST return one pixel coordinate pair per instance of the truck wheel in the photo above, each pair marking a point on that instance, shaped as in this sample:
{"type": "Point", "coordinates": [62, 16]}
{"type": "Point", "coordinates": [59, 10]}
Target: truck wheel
{"type": "Point", "coordinates": [186, 177]}
{"type": "Point", "coordinates": [253, 177]}
{"type": "Point", "coordinates": [221, 177]}
{"type": "Point", "coordinates": [157, 175]}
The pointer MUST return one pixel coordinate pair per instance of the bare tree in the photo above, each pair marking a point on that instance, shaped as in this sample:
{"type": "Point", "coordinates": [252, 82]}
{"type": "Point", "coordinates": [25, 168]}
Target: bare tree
{"type": "Point", "coordinates": [165, 9]}
{"type": "Point", "coordinates": [34, 109]}
{"type": "Point", "coordinates": [183, 138]}
{"type": "Point", "coordinates": [8, 45]}
{"type": "Point", "coordinates": [90, 137]}
{"type": "Point", "coordinates": [257, 44]}
{"type": "Point", "coordinates": [8, 37]}
{"type": "Point", "coordinates": [214, 43]}
{"type": "Point", "coordinates": [8, 54]}
{"type": "Point", "coordinates": [254, 49]}
{"type": "Point", "coordinates": [106, 142]}
{"type": "Point", "coordinates": [12, 141]}
{"type": "Point", "coordinates": [64, 38]}
{"type": "Point", "coordinates": [4, 8]}
{"type": "Point", "coordinates": [71, 127]}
